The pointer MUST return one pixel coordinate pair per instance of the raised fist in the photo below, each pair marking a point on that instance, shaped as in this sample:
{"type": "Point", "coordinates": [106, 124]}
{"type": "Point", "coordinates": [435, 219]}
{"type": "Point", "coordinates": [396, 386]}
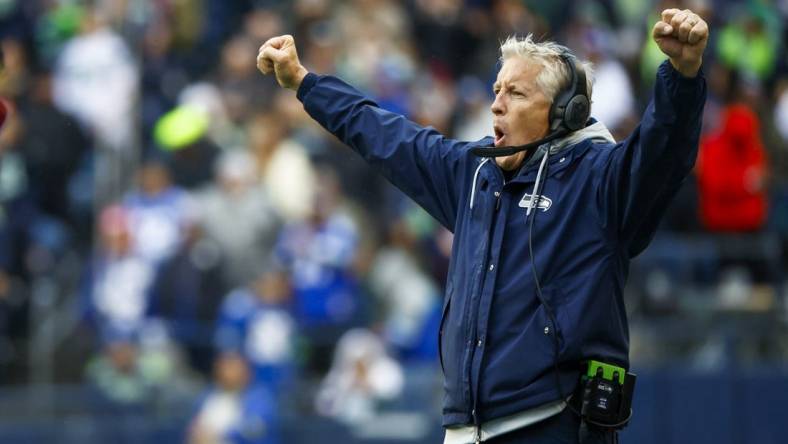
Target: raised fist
{"type": "Point", "coordinates": [682, 36]}
{"type": "Point", "coordinates": [278, 55]}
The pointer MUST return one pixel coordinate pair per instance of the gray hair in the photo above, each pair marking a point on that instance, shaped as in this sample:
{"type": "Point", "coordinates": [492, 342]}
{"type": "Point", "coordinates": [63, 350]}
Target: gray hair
{"type": "Point", "coordinates": [555, 75]}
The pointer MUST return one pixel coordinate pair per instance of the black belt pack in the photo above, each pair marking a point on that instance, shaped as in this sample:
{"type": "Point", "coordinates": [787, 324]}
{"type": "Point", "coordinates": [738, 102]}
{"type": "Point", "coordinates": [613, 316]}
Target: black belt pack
{"type": "Point", "coordinates": [606, 393]}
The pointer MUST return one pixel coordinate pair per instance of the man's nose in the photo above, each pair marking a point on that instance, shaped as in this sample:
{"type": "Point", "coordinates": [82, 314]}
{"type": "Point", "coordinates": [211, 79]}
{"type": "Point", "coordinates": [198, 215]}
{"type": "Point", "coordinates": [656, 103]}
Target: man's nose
{"type": "Point", "coordinates": [497, 106]}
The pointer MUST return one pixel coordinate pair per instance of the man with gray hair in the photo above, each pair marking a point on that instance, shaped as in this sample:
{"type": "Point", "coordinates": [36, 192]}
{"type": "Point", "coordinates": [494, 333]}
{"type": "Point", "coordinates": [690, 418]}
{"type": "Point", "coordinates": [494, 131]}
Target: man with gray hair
{"type": "Point", "coordinates": [534, 339]}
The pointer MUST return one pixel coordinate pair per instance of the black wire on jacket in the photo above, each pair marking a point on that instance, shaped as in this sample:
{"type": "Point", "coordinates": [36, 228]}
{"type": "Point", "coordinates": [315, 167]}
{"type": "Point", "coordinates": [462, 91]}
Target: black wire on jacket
{"type": "Point", "coordinates": [551, 315]}
{"type": "Point", "coordinates": [547, 308]}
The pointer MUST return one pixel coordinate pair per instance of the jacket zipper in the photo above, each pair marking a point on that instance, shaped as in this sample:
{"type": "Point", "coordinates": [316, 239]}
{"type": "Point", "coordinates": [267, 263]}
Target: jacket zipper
{"type": "Point", "coordinates": [475, 345]}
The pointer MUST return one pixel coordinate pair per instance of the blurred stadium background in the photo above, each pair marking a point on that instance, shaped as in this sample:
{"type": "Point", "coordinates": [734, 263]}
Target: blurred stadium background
{"type": "Point", "coordinates": [186, 257]}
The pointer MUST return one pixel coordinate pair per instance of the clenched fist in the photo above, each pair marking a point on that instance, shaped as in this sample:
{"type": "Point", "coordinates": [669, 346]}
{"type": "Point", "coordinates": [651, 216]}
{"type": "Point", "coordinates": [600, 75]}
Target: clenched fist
{"type": "Point", "coordinates": [682, 36]}
{"type": "Point", "coordinates": [278, 55]}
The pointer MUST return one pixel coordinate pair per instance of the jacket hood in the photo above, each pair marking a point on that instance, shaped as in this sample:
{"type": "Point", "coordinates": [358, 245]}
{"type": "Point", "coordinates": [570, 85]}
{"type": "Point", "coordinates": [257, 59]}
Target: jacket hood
{"type": "Point", "coordinates": [740, 124]}
{"type": "Point", "coordinates": [596, 132]}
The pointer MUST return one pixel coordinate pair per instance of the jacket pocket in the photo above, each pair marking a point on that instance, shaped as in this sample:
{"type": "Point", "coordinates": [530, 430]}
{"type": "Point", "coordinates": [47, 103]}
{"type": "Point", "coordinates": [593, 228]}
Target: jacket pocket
{"type": "Point", "coordinates": [567, 321]}
{"type": "Point", "coordinates": [444, 316]}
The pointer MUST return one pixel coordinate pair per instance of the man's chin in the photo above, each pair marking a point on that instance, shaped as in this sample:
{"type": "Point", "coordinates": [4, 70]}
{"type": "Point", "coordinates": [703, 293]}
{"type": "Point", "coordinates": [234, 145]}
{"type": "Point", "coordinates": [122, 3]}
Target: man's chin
{"type": "Point", "coordinates": [508, 163]}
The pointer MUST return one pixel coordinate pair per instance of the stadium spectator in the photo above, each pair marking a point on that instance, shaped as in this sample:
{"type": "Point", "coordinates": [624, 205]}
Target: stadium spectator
{"type": "Point", "coordinates": [116, 282]}
{"type": "Point", "coordinates": [255, 321]}
{"type": "Point", "coordinates": [89, 65]}
{"type": "Point", "coordinates": [190, 153]}
{"type": "Point", "coordinates": [160, 60]}
{"type": "Point", "coordinates": [361, 377]}
{"type": "Point", "coordinates": [732, 174]}
{"type": "Point", "coordinates": [749, 43]}
{"type": "Point", "coordinates": [234, 410]}
{"type": "Point", "coordinates": [612, 101]}
{"type": "Point", "coordinates": [131, 376]}
{"type": "Point", "coordinates": [55, 149]}
{"type": "Point", "coordinates": [237, 200]}
{"type": "Point", "coordinates": [286, 172]}
{"type": "Point", "coordinates": [409, 297]}
{"type": "Point", "coordinates": [319, 254]}
{"type": "Point", "coordinates": [206, 97]}
{"type": "Point", "coordinates": [158, 213]}
{"type": "Point", "coordinates": [186, 294]}
{"type": "Point", "coordinates": [19, 213]}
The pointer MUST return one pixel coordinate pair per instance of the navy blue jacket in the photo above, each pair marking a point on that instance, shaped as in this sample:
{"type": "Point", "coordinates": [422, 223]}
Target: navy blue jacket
{"type": "Point", "coordinates": [600, 205]}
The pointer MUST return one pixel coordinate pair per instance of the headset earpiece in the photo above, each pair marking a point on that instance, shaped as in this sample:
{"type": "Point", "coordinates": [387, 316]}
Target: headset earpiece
{"type": "Point", "coordinates": [571, 108]}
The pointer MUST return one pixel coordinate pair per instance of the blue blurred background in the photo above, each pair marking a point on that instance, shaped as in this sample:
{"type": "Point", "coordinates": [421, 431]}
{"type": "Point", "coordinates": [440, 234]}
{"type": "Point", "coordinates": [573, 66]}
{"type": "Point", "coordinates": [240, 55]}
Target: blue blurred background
{"type": "Point", "coordinates": [186, 257]}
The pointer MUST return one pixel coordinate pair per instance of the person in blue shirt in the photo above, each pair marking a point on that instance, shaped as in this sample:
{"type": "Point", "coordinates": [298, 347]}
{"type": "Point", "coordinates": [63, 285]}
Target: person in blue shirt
{"type": "Point", "coordinates": [234, 410]}
{"type": "Point", "coordinates": [543, 235]}
{"type": "Point", "coordinates": [320, 255]}
{"type": "Point", "coordinates": [255, 321]}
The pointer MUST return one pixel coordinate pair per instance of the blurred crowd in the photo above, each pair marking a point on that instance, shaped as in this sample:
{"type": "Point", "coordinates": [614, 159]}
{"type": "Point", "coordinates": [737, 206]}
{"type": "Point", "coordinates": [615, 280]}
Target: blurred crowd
{"type": "Point", "coordinates": [179, 224]}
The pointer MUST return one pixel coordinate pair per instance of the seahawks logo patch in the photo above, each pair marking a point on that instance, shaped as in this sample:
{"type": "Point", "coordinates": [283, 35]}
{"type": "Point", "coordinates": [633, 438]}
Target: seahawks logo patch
{"type": "Point", "coordinates": [544, 203]}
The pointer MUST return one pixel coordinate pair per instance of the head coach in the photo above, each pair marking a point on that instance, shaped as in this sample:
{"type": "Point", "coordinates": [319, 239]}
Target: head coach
{"type": "Point", "coordinates": [546, 216]}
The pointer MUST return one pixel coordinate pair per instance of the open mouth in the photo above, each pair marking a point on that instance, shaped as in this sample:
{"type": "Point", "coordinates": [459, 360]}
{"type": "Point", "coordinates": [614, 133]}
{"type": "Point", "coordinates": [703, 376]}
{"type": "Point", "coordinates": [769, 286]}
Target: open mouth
{"type": "Point", "coordinates": [499, 135]}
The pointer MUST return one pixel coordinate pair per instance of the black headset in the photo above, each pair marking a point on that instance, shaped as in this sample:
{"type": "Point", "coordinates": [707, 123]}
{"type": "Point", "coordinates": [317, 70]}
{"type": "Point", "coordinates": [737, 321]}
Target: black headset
{"type": "Point", "coordinates": [569, 112]}
{"type": "Point", "coordinates": [571, 108]}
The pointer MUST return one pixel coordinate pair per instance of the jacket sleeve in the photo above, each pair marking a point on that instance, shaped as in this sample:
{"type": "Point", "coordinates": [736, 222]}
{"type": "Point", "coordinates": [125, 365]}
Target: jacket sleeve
{"type": "Point", "coordinates": [640, 176]}
{"type": "Point", "coordinates": [417, 160]}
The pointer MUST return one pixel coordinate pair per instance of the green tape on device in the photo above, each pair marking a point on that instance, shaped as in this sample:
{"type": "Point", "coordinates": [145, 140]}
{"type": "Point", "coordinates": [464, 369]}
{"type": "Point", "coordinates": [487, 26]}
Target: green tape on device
{"type": "Point", "coordinates": [607, 371]}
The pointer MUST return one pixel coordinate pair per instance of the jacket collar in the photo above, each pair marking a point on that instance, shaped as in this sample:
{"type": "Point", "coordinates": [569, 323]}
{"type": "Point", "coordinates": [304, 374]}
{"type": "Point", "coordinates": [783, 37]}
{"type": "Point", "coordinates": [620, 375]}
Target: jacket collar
{"type": "Point", "coordinates": [568, 147]}
{"type": "Point", "coordinates": [595, 132]}
{"type": "Point", "coordinates": [563, 150]}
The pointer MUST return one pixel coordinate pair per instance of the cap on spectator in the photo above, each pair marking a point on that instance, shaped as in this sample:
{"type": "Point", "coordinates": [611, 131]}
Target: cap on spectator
{"type": "Point", "coordinates": [62, 22]}
{"type": "Point", "coordinates": [180, 128]}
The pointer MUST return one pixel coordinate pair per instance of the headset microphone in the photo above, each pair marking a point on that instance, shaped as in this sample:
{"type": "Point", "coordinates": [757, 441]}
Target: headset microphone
{"type": "Point", "coordinates": [492, 151]}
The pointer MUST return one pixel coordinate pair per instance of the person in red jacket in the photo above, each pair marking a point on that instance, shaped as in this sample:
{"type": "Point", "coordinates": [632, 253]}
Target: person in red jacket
{"type": "Point", "coordinates": [731, 170]}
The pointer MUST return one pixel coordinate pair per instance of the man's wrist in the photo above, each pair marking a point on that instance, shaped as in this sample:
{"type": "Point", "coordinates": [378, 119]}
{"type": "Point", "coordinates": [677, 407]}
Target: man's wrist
{"type": "Point", "coordinates": [299, 78]}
